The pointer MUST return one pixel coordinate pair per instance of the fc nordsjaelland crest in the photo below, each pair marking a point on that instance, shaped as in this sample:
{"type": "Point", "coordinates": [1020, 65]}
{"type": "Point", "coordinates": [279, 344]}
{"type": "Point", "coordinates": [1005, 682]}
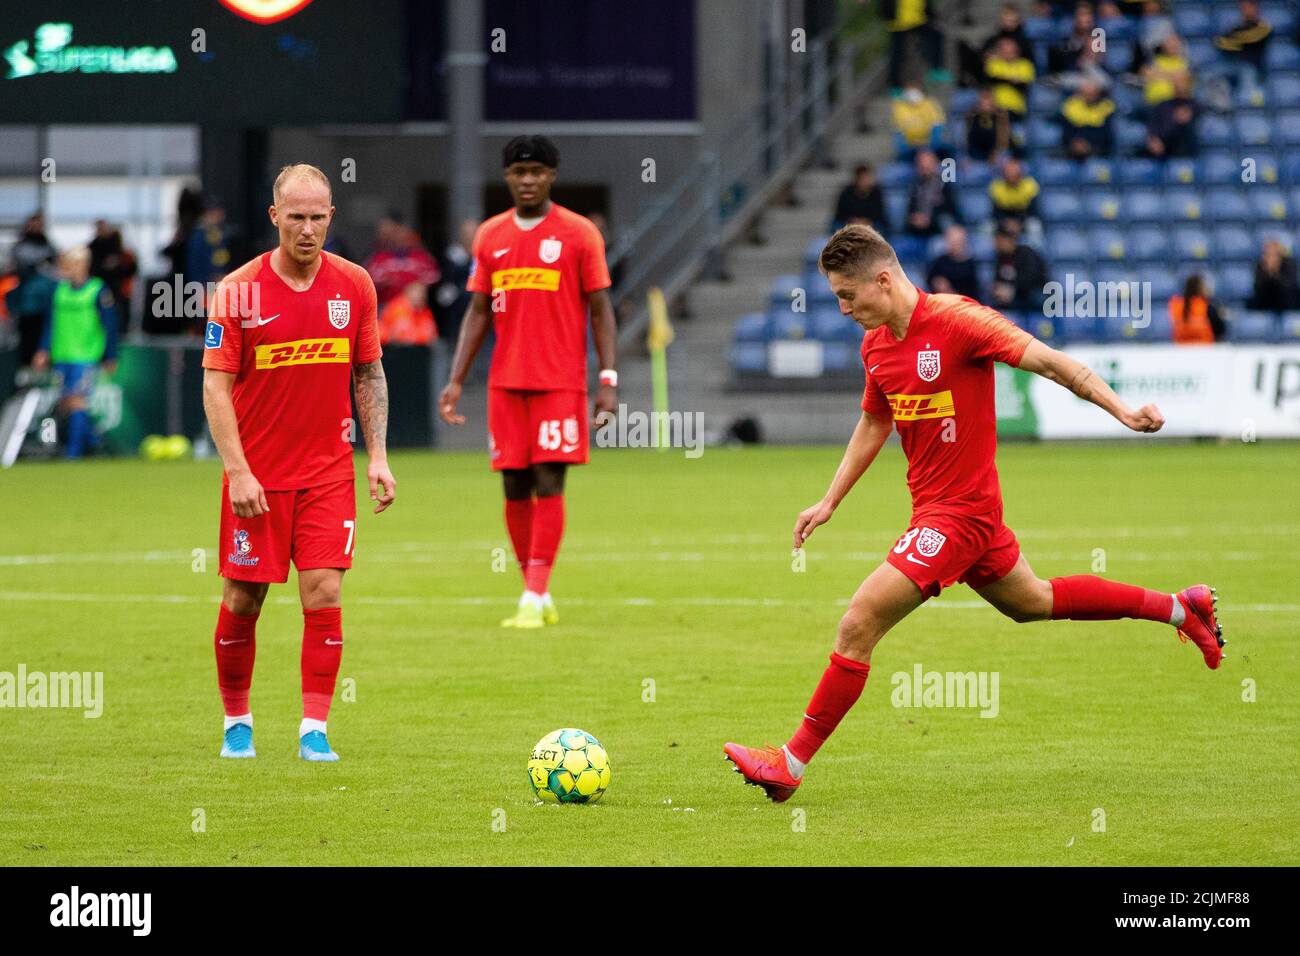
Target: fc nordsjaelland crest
{"type": "Point", "coordinates": [927, 365]}
{"type": "Point", "coordinates": [549, 250]}
{"type": "Point", "coordinates": [570, 430]}
{"type": "Point", "coordinates": [929, 541]}
{"type": "Point", "coordinates": [340, 313]}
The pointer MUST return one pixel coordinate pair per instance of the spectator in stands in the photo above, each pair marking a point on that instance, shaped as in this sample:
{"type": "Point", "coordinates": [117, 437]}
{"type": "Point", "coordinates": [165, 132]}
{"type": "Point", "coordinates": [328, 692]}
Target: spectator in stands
{"type": "Point", "coordinates": [1196, 318]}
{"type": "Point", "coordinates": [1167, 68]}
{"type": "Point", "coordinates": [861, 202]}
{"type": "Point", "coordinates": [1010, 75]}
{"type": "Point", "coordinates": [1089, 67]}
{"type": "Point", "coordinates": [1171, 125]}
{"type": "Point", "coordinates": [398, 260]}
{"type": "Point", "coordinates": [1019, 273]}
{"type": "Point", "coordinates": [1242, 51]}
{"type": "Point", "coordinates": [451, 298]}
{"type": "Point", "coordinates": [918, 121]}
{"type": "Point", "coordinates": [208, 253]}
{"type": "Point", "coordinates": [988, 128]}
{"type": "Point", "coordinates": [111, 261]}
{"type": "Point", "coordinates": [407, 318]}
{"type": "Point", "coordinates": [1062, 55]}
{"type": "Point", "coordinates": [1087, 121]}
{"type": "Point", "coordinates": [33, 259]}
{"type": "Point", "coordinates": [189, 209]}
{"type": "Point", "coordinates": [1014, 195]}
{"type": "Point", "coordinates": [1275, 280]}
{"type": "Point", "coordinates": [953, 270]}
{"type": "Point", "coordinates": [909, 20]}
{"type": "Point", "coordinates": [971, 60]}
{"type": "Point", "coordinates": [931, 202]}
{"type": "Point", "coordinates": [80, 335]}
{"type": "Point", "coordinates": [1153, 29]}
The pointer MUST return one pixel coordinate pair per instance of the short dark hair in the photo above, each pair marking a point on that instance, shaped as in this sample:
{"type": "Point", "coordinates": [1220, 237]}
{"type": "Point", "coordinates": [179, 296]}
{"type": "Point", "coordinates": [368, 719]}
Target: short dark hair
{"type": "Point", "coordinates": [530, 149]}
{"type": "Point", "coordinates": [854, 250]}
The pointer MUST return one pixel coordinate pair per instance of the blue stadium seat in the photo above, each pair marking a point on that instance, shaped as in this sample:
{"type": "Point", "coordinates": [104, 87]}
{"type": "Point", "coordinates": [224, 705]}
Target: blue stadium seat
{"type": "Point", "coordinates": [1130, 135]}
{"type": "Point", "coordinates": [1154, 327]}
{"type": "Point", "coordinates": [1215, 131]}
{"type": "Point", "coordinates": [1067, 243]}
{"type": "Point", "coordinates": [749, 357]}
{"type": "Point", "coordinates": [1284, 88]}
{"type": "Point", "coordinates": [1293, 198]}
{"type": "Point", "coordinates": [1147, 243]}
{"type": "Point", "coordinates": [976, 206]}
{"type": "Point", "coordinates": [1099, 172]}
{"type": "Point", "coordinates": [1118, 57]}
{"type": "Point", "coordinates": [980, 244]}
{"type": "Point", "coordinates": [895, 175]}
{"type": "Point", "coordinates": [1236, 282]}
{"type": "Point", "coordinates": [1280, 55]}
{"type": "Point", "coordinates": [1254, 327]}
{"type": "Point", "coordinates": [812, 252]}
{"type": "Point", "coordinates": [830, 325]}
{"type": "Point", "coordinates": [1051, 172]}
{"type": "Point", "coordinates": [1225, 204]}
{"type": "Point", "coordinates": [1043, 134]}
{"type": "Point", "coordinates": [1102, 205]}
{"type": "Point", "coordinates": [1288, 127]}
{"type": "Point", "coordinates": [752, 328]}
{"type": "Point", "coordinates": [1201, 53]}
{"type": "Point", "coordinates": [1118, 29]}
{"type": "Point", "coordinates": [1062, 269]}
{"type": "Point", "coordinates": [1191, 242]}
{"type": "Point", "coordinates": [1060, 206]}
{"type": "Point", "coordinates": [1181, 172]}
{"type": "Point", "coordinates": [1290, 325]}
{"type": "Point", "coordinates": [909, 247]}
{"type": "Point", "coordinates": [1254, 128]}
{"type": "Point", "coordinates": [1281, 16]}
{"type": "Point", "coordinates": [790, 325]}
{"type": "Point", "coordinates": [1109, 243]}
{"type": "Point", "coordinates": [841, 357]}
{"type": "Point", "coordinates": [1183, 205]}
{"type": "Point", "coordinates": [1044, 99]}
{"type": "Point", "coordinates": [962, 102]}
{"type": "Point", "coordinates": [896, 208]}
{"type": "Point", "coordinates": [783, 286]}
{"type": "Point", "coordinates": [1268, 204]}
{"type": "Point", "coordinates": [1266, 167]}
{"type": "Point", "coordinates": [1040, 29]}
{"type": "Point", "coordinates": [1139, 172]}
{"type": "Point", "coordinates": [1233, 242]}
{"type": "Point", "coordinates": [1193, 21]}
{"type": "Point", "coordinates": [973, 174]}
{"type": "Point", "coordinates": [1220, 167]}
{"type": "Point", "coordinates": [1071, 328]}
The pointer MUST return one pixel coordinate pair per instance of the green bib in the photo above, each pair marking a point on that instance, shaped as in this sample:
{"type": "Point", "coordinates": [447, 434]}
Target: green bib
{"type": "Point", "coordinates": [78, 335]}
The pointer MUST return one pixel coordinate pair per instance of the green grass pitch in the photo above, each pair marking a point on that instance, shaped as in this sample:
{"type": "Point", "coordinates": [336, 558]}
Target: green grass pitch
{"type": "Point", "coordinates": [677, 572]}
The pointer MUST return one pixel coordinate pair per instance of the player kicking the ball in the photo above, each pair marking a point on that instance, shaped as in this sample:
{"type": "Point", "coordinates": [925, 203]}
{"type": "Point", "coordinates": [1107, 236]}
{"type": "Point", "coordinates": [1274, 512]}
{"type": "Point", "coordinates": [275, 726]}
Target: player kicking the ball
{"type": "Point", "coordinates": [288, 332]}
{"type": "Point", "coordinates": [929, 364]}
{"type": "Point", "coordinates": [537, 269]}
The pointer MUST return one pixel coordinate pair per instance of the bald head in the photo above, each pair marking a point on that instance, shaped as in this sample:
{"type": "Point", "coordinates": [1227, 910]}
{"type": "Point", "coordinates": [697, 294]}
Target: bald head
{"type": "Point", "coordinates": [300, 173]}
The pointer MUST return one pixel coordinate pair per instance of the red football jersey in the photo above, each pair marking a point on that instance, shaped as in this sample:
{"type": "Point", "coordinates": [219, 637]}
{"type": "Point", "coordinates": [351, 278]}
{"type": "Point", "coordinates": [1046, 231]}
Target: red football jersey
{"type": "Point", "coordinates": [292, 354]}
{"type": "Point", "coordinates": [937, 385]}
{"type": "Point", "coordinates": [538, 280]}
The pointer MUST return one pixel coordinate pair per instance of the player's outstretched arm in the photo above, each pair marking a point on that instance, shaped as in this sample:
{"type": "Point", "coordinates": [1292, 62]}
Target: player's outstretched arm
{"type": "Point", "coordinates": [247, 499]}
{"type": "Point", "coordinates": [868, 437]}
{"type": "Point", "coordinates": [372, 406]}
{"type": "Point", "coordinates": [1088, 385]}
{"type": "Point", "coordinates": [473, 329]}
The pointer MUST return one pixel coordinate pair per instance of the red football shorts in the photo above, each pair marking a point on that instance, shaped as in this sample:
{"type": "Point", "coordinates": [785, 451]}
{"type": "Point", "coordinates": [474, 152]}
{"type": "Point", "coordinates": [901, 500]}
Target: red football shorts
{"type": "Point", "coordinates": [312, 527]}
{"type": "Point", "coordinates": [525, 428]}
{"type": "Point", "coordinates": [942, 548]}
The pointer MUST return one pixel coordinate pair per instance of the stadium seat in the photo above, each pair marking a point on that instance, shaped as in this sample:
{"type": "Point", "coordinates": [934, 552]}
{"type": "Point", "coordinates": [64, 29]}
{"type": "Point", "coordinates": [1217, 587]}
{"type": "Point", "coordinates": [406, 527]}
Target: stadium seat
{"type": "Point", "coordinates": [1220, 167]}
{"type": "Point", "coordinates": [1225, 204]}
{"type": "Point", "coordinates": [1281, 16]}
{"type": "Point", "coordinates": [895, 175]}
{"type": "Point", "coordinates": [1040, 30]}
{"type": "Point", "coordinates": [781, 294]}
{"type": "Point", "coordinates": [1254, 128]}
{"type": "Point", "coordinates": [1099, 172]}
{"type": "Point", "coordinates": [1192, 22]}
{"type": "Point", "coordinates": [1236, 282]}
{"type": "Point", "coordinates": [1290, 325]}
{"type": "Point", "coordinates": [1102, 205]}
{"type": "Point", "coordinates": [1141, 206]}
{"type": "Point", "coordinates": [1201, 53]}
{"type": "Point", "coordinates": [909, 247]}
{"type": "Point", "coordinates": [1288, 127]}
{"type": "Point", "coordinates": [896, 208]}
{"type": "Point", "coordinates": [1281, 55]}
{"type": "Point", "coordinates": [1044, 99]}
{"type": "Point", "coordinates": [1253, 327]}
{"type": "Point", "coordinates": [751, 328]}
{"type": "Point", "coordinates": [749, 357]}
{"type": "Point", "coordinates": [1268, 204]}
{"type": "Point", "coordinates": [1067, 243]}
{"type": "Point", "coordinates": [1234, 242]}
{"type": "Point", "coordinates": [1154, 327]}
{"type": "Point", "coordinates": [1071, 328]}
{"type": "Point", "coordinates": [1109, 243]}
{"type": "Point", "coordinates": [1181, 172]}
{"type": "Point", "coordinates": [1139, 172]}
{"type": "Point", "coordinates": [1118, 58]}
{"type": "Point", "coordinates": [1052, 172]}
{"type": "Point", "coordinates": [1284, 88]}
{"type": "Point", "coordinates": [1148, 243]}
{"type": "Point", "coordinates": [1060, 206]}
{"type": "Point", "coordinates": [974, 174]}
{"type": "Point", "coordinates": [830, 325]}
{"type": "Point", "coordinates": [1043, 134]}
{"type": "Point", "coordinates": [1215, 132]}
{"type": "Point", "coordinates": [1118, 29]}
{"type": "Point", "coordinates": [976, 206]}
{"type": "Point", "coordinates": [841, 357]}
{"type": "Point", "coordinates": [1191, 242]}
{"type": "Point", "coordinates": [962, 102]}
{"type": "Point", "coordinates": [1131, 135]}
{"type": "Point", "coordinates": [790, 325]}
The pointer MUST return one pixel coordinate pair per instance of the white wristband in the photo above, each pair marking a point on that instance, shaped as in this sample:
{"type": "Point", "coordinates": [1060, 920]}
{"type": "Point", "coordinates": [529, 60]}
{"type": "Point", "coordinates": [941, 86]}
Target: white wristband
{"type": "Point", "coordinates": [609, 377]}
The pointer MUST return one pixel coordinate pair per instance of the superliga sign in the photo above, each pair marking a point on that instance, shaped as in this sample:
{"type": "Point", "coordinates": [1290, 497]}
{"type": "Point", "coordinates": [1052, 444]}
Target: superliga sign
{"type": "Point", "coordinates": [52, 51]}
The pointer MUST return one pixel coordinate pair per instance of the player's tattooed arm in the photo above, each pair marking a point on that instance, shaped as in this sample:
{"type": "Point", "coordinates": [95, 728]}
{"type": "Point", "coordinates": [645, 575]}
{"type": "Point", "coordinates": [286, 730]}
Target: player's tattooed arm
{"type": "Point", "coordinates": [372, 406]}
{"type": "Point", "coordinates": [1088, 385]}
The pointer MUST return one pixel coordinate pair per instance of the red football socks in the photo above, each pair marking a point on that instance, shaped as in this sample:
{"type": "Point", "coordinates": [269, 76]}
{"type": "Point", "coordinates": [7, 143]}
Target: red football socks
{"type": "Point", "coordinates": [1085, 597]}
{"type": "Point", "coordinates": [519, 522]}
{"type": "Point", "coordinates": [322, 650]}
{"type": "Point", "coordinates": [548, 528]}
{"type": "Point", "coordinates": [235, 642]}
{"type": "Point", "coordinates": [839, 689]}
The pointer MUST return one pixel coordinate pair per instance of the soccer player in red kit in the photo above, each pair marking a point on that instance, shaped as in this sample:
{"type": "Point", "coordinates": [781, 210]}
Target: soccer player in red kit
{"type": "Point", "coordinates": [289, 332]}
{"type": "Point", "coordinates": [537, 270]}
{"type": "Point", "coordinates": [929, 373]}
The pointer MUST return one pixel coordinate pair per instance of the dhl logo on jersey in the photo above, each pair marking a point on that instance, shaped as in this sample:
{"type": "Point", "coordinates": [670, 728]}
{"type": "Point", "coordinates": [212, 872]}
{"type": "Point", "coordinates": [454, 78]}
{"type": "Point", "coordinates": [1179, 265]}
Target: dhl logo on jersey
{"type": "Point", "coordinates": [544, 280]}
{"type": "Point", "coordinates": [303, 352]}
{"type": "Point", "coordinates": [907, 408]}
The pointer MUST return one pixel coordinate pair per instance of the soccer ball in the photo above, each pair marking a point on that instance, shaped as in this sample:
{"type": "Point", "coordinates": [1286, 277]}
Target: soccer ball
{"type": "Point", "coordinates": [569, 766]}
